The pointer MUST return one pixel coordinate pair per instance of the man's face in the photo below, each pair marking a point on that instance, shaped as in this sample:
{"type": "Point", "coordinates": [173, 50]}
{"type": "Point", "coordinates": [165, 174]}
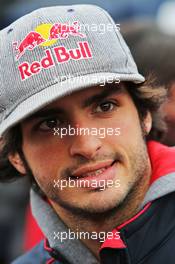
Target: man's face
{"type": "Point", "coordinates": [120, 158]}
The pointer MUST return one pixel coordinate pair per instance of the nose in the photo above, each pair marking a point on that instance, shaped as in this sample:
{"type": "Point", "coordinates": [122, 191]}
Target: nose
{"type": "Point", "coordinates": [85, 145]}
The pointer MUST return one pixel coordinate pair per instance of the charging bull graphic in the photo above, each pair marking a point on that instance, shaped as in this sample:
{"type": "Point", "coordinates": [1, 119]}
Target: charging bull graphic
{"type": "Point", "coordinates": [64, 30]}
{"type": "Point", "coordinates": [47, 34]}
{"type": "Point", "coordinates": [32, 40]}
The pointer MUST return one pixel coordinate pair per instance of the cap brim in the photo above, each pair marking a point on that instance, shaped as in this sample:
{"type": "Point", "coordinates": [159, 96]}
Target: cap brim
{"type": "Point", "coordinates": [58, 90]}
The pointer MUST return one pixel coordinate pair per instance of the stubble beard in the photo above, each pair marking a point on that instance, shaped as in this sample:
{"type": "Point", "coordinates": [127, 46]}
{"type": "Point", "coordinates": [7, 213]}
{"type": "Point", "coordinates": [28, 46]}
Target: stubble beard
{"type": "Point", "coordinates": [139, 167]}
{"type": "Point", "coordinates": [134, 192]}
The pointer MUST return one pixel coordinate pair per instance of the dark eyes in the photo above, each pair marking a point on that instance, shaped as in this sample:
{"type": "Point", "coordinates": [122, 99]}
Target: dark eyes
{"type": "Point", "coordinates": [106, 106]}
{"type": "Point", "coordinates": [49, 124]}
{"type": "Point", "coordinates": [54, 122]}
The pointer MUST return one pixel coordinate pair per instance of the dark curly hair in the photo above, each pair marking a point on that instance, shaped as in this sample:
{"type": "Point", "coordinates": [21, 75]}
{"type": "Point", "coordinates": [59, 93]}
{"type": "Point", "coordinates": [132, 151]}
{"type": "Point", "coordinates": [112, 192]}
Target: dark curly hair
{"type": "Point", "coordinates": [146, 97]}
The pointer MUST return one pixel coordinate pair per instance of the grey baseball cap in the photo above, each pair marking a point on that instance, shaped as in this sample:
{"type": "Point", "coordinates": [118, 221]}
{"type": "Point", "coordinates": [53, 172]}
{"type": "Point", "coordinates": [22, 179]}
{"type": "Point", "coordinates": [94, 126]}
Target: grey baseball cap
{"type": "Point", "coordinates": [55, 51]}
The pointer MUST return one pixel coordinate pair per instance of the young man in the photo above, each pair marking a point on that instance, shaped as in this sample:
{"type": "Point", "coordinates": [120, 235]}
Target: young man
{"type": "Point", "coordinates": [78, 119]}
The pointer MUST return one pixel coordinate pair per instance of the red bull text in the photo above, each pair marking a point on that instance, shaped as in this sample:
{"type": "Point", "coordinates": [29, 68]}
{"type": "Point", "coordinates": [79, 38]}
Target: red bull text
{"type": "Point", "coordinates": [60, 55]}
{"type": "Point", "coordinates": [47, 35]}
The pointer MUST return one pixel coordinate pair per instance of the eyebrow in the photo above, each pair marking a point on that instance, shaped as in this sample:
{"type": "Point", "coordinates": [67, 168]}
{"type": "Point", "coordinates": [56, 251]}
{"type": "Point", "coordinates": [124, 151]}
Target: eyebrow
{"type": "Point", "coordinates": [109, 90]}
{"type": "Point", "coordinates": [87, 102]}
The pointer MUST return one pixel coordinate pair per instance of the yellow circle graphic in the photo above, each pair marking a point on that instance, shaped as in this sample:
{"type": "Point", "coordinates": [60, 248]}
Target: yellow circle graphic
{"type": "Point", "coordinates": [44, 30]}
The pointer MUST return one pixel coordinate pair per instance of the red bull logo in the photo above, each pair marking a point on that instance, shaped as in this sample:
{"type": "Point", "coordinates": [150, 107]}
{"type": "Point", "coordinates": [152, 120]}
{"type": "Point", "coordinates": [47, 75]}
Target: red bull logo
{"type": "Point", "coordinates": [46, 35]}
{"type": "Point", "coordinates": [62, 31]}
{"type": "Point", "coordinates": [55, 56]}
{"type": "Point", "coordinates": [32, 40]}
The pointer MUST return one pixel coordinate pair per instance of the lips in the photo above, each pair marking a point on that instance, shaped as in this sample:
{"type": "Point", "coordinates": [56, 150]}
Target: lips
{"type": "Point", "coordinates": [92, 170]}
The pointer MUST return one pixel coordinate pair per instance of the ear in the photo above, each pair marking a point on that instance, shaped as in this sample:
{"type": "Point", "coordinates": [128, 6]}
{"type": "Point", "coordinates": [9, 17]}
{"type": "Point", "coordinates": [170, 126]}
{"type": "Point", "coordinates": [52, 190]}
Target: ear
{"type": "Point", "coordinates": [17, 162]}
{"type": "Point", "coordinates": [148, 123]}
